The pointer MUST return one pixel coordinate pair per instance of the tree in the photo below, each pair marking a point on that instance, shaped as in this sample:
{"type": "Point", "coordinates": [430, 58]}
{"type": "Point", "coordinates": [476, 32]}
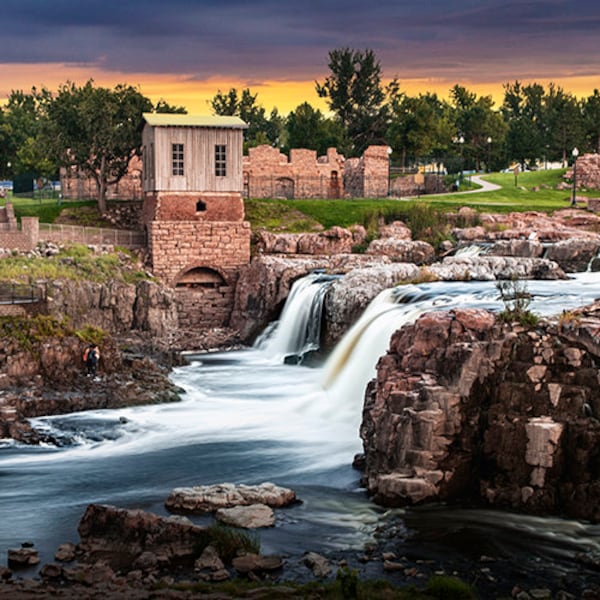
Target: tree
{"type": "Point", "coordinates": [245, 107]}
{"type": "Point", "coordinates": [97, 130]}
{"type": "Point", "coordinates": [591, 121]}
{"type": "Point", "coordinates": [419, 127]}
{"type": "Point", "coordinates": [355, 93]}
{"type": "Point", "coordinates": [20, 126]}
{"type": "Point", "coordinates": [564, 122]}
{"type": "Point", "coordinates": [523, 110]}
{"type": "Point", "coordinates": [308, 128]}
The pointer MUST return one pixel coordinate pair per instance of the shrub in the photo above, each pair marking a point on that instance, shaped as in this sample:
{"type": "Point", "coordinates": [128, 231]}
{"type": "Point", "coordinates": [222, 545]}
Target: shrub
{"type": "Point", "coordinates": [516, 298]}
{"type": "Point", "coordinates": [229, 542]}
{"type": "Point", "coordinates": [449, 588]}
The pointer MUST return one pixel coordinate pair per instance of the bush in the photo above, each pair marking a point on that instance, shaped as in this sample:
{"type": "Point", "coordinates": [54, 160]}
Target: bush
{"type": "Point", "coordinates": [449, 588]}
{"type": "Point", "coordinates": [229, 542]}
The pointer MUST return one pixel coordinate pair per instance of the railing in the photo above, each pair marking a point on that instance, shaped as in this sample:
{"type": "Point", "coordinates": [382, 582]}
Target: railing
{"type": "Point", "coordinates": [92, 235]}
{"type": "Point", "coordinates": [20, 293]}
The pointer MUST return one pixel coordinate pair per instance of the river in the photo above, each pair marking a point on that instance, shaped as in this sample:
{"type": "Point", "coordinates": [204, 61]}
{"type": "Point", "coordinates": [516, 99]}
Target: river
{"type": "Point", "coordinates": [248, 417]}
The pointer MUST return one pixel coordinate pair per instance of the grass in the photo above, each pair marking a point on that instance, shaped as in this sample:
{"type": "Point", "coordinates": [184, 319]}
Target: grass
{"type": "Point", "coordinates": [73, 262]}
{"type": "Point", "coordinates": [273, 214]}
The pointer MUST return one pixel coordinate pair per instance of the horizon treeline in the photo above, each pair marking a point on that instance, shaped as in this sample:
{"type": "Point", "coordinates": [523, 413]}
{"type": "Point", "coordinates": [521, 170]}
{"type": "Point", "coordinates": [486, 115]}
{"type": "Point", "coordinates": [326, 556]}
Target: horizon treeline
{"type": "Point", "coordinates": [41, 131]}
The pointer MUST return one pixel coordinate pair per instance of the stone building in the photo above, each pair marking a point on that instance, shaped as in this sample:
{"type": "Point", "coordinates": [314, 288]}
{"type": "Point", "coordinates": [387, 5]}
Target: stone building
{"type": "Point", "coordinates": [193, 210]}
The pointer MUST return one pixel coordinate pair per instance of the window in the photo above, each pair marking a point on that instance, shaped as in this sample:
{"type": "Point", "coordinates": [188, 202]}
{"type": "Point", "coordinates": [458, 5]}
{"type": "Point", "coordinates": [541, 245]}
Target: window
{"type": "Point", "coordinates": [177, 159]}
{"type": "Point", "coordinates": [220, 160]}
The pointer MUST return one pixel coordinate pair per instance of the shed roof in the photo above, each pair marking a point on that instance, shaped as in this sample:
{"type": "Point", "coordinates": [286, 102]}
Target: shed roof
{"type": "Point", "coordinates": [179, 120]}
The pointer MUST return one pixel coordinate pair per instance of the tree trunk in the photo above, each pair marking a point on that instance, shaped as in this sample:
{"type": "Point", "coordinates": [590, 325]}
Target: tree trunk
{"type": "Point", "coordinates": [102, 187]}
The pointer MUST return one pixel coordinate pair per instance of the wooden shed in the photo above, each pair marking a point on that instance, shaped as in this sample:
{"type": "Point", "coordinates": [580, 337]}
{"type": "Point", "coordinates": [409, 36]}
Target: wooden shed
{"type": "Point", "coordinates": [192, 153]}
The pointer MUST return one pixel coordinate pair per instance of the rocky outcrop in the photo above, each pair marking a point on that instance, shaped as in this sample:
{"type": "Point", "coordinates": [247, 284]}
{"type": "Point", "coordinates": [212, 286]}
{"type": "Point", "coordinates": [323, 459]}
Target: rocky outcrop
{"type": "Point", "coordinates": [490, 268]}
{"type": "Point", "coordinates": [464, 408]}
{"type": "Point", "coordinates": [121, 537]}
{"type": "Point", "coordinates": [48, 378]}
{"type": "Point", "coordinates": [115, 306]}
{"type": "Point", "coordinates": [575, 254]}
{"type": "Point", "coordinates": [336, 240]}
{"type": "Point", "coordinates": [209, 498]}
{"type": "Point", "coordinates": [265, 283]}
{"type": "Point", "coordinates": [348, 297]}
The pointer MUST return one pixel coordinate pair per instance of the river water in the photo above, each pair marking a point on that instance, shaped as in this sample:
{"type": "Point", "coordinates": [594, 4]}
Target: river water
{"type": "Point", "coordinates": [248, 417]}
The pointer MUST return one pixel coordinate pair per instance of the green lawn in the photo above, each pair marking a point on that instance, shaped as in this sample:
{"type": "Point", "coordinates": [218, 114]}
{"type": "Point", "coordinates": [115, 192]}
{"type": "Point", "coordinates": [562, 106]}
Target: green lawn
{"type": "Point", "coordinates": [535, 191]}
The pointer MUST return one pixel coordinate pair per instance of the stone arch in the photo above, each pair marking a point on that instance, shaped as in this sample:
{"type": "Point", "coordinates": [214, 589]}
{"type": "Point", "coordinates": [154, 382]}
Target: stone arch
{"type": "Point", "coordinates": [200, 276]}
{"type": "Point", "coordinates": [284, 188]}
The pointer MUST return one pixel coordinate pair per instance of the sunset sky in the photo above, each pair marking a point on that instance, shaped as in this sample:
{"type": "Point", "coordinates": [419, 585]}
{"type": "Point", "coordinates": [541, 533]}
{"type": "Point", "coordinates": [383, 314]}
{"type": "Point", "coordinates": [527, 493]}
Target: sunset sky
{"type": "Point", "coordinates": [184, 51]}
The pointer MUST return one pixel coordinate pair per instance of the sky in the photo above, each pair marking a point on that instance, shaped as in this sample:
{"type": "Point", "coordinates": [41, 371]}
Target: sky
{"type": "Point", "coordinates": [185, 51]}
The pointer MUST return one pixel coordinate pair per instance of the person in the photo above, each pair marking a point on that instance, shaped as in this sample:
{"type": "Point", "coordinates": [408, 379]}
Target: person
{"type": "Point", "coordinates": [91, 357]}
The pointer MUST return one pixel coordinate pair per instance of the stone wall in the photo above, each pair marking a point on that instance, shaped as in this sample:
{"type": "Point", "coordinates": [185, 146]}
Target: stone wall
{"type": "Point", "coordinates": [189, 206]}
{"type": "Point", "coordinates": [269, 174]}
{"type": "Point", "coordinates": [76, 184]}
{"type": "Point", "coordinates": [25, 238]}
{"type": "Point", "coordinates": [368, 176]}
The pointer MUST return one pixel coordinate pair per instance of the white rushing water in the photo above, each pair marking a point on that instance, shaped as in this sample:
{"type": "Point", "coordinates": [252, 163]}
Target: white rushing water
{"type": "Point", "coordinates": [246, 417]}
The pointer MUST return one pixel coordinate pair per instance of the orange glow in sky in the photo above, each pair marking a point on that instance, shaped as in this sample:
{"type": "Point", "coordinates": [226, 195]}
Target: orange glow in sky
{"type": "Point", "coordinates": [195, 95]}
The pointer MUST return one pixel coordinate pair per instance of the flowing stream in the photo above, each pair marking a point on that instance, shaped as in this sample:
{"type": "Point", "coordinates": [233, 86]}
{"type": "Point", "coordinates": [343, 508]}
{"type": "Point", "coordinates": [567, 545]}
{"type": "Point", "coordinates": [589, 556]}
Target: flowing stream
{"type": "Point", "coordinates": [248, 417]}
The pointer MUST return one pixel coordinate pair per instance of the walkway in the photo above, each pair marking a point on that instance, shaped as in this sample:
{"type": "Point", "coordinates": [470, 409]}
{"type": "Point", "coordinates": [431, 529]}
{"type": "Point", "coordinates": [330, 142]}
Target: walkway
{"type": "Point", "coordinates": [486, 186]}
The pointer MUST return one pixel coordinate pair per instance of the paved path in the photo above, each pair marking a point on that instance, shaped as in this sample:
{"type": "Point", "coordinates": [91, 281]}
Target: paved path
{"type": "Point", "coordinates": [486, 186]}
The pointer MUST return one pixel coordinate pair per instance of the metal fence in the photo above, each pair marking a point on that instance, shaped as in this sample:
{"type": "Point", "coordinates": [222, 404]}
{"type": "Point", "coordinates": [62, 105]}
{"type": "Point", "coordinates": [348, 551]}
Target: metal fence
{"type": "Point", "coordinates": [92, 235]}
{"type": "Point", "coordinates": [20, 293]}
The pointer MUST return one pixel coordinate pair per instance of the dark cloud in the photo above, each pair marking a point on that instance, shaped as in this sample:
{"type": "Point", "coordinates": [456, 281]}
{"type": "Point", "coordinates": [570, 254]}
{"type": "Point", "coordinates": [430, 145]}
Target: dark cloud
{"type": "Point", "coordinates": [267, 39]}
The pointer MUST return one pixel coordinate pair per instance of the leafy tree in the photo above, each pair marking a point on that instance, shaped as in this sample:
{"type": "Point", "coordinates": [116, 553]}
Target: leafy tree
{"type": "Point", "coordinates": [355, 94]}
{"type": "Point", "coordinates": [476, 120]}
{"type": "Point", "coordinates": [308, 128]}
{"type": "Point", "coordinates": [97, 130]}
{"type": "Point", "coordinates": [245, 107]}
{"type": "Point", "coordinates": [523, 110]}
{"type": "Point", "coordinates": [591, 121]}
{"type": "Point", "coordinates": [564, 122]}
{"type": "Point", "coordinates": [162, 106]}
{"type": "Point", "coordinates": [419, 127]}
{"type": "Point", "coordinates": [20, 126]}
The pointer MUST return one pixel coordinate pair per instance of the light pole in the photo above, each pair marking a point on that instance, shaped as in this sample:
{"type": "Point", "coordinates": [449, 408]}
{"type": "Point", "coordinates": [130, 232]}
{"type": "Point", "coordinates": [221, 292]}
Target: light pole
{"type": "Point", "coordinates": [575, 154]}
{"type": "Point", "coordinates": [489, 143]}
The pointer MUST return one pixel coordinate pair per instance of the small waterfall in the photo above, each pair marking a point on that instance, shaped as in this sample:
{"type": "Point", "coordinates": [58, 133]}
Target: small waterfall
{"type": "Point", "coordinates": [353, 362]}
{"type": "Point", "coordinates": [298, 329]}
{"type": "Point", "coordinates": [472, 250]}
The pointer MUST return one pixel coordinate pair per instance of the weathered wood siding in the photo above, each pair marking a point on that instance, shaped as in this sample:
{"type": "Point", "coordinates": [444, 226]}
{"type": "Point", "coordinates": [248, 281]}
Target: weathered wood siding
{"type": "Point", "coordinates": [199, 159]}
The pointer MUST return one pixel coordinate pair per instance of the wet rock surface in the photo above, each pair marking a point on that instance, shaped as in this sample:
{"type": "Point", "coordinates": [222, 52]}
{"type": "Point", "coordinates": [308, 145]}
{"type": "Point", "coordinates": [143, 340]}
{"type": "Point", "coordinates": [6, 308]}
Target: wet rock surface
{"type": "Point", "coordinates": [466, 408]}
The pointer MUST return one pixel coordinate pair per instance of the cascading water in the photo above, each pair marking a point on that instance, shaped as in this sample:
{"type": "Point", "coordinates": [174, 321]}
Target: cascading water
{"type": "Point", "coordinates": [298, 330]}
{"type": "Point", "coordinates": [244, 419]}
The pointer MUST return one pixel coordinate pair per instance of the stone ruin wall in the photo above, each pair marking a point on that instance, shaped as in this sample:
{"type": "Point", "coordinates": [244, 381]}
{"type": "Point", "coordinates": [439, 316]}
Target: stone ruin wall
{"type": "Point", "coordinates": [75, 184]}
{"type": "Point", "coordinates": [24, 238]}
{"type": "Point", "coordinates": [269, 174]}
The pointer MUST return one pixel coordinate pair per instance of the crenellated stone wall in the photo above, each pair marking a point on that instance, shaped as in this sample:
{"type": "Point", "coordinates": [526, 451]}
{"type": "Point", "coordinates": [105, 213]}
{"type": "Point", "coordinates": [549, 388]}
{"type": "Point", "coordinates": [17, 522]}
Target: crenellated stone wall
{"type": "Point", "coordinates": [269, 174]}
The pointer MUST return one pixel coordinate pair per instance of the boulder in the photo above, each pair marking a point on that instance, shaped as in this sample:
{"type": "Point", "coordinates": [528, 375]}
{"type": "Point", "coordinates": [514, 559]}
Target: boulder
{"type": "Point", "coordinates": [256, 564]}
{"type": "Point", "coordinates": [247, 517]}
{"type": "Point", "coordinates": [318, 564]}
{"type": "Point", "coordinates": [122, 537]}
{"type": "Point", "coordinates": [400, 250]}
{"type": "Point", "coordinates": [490, 268]}
{"type": "Point", "coordinates": [19, 558]}
{"type": "Point", "coordinates": [209, 498]}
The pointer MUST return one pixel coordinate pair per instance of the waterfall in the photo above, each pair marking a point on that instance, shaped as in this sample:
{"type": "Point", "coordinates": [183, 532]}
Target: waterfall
{"type": "Point", "coordinates": [298, 329]}
{"type": "Point", "coordinates": [472, 250]}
